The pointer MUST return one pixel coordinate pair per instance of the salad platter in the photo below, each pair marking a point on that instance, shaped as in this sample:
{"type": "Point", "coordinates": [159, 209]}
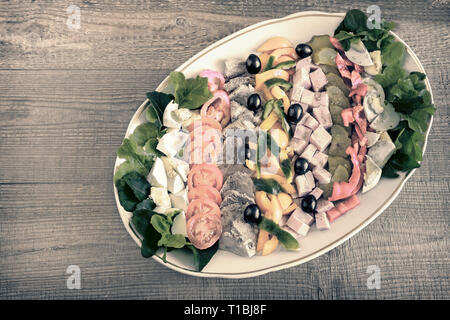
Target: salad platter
{"type": "Point", "coordinates": [273, 145]}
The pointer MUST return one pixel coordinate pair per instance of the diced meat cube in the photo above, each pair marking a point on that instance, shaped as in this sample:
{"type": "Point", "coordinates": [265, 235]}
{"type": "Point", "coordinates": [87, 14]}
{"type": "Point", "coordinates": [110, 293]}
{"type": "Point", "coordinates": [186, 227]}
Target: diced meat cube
{"type": "Point", "coordinates": [309, 121]}
{"type": "Point", "coordinates": [317, 192]}
{"type": "Point", "coordinates": [324, 205]}
{"type": "Point", "coordinates": [310, 178]}
{"type": "Point", "coordinates": [298, 145]}
{"type": "Point", "coordinates": [322, 222]}
{"type": "Point", "coordinates": [297, 225]}
{"type": "Point", "coordinates": [304, 185]}
{"type": "Point", "coordinates": [309, 152]}
{"type": "Point", "coordinates": [320, 138]}
{"type": "Point", "coordinates": [321, 175]}
{"type": "Point", "coordinates": [301, 80]}
{"type": "Point", "coordinates": [302, 132]}
{"type": "Point", "coordinates": [304, 63]}
{"type": "Point", "coordinates": [323, 116]}
{"type": "Point", "coordinates": [307, 97]}
{"type": "Point", "coordinates": [303, 216]}
{"type": "Point", "coordinates": [318, 79]}
{"type": "Point", "coordinates": [296, 93]}
{"type": "Point", "coordinates": [319, 160]}
{"type": "Point", "coordinates": [320, 100]}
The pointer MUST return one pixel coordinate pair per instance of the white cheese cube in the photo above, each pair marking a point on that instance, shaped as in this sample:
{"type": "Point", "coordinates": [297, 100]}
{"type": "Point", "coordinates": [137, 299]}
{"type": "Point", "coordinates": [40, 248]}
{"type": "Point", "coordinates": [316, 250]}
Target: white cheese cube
{"type": "Point", "coordinates": [160, 197]}
{"type": "Point", "coordinates": [179, 224]}
{"type": "Point", "coordinates": [157, 176]}
{"type": "Point", "coordinates": [172, 142]}
{"type": "Point", "coordinates": [175, 184]}
{"type": "Point", "coordinates": [179, 200]}
{"type": "Point", "coordinates": [170, 120]}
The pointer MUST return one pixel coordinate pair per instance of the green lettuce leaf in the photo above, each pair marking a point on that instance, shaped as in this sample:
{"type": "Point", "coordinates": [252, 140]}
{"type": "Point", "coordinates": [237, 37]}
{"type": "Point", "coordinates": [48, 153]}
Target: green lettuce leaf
{"type": "Point", "coordinates": [189, 93]}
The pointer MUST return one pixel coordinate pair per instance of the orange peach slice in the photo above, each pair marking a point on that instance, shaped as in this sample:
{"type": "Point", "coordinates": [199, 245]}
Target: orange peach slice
{"type": "Point", "coordinates": [278, 93]}
{"type": "Point", "coordinates": [282, 59]}
{"type": "Point", "coordinates": [260, 78]}
{"type": "Point", "coordinates": [275, 43]}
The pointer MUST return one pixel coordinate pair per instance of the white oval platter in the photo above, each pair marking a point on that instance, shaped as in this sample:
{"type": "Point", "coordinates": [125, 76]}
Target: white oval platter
{"type": "Point", "coordinates": [298, 27]}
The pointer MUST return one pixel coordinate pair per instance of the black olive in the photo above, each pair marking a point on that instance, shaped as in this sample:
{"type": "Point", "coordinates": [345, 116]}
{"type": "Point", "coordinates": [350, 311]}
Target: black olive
{"type": "Point", "coordinates": [294, 113]}
{"type": "Point", "coordinates": [300, 166]}
{"type": "Point", "coordinates": [254, 102]}
{"type": "Point", "coordinates": [309, 203]}
{"type": "Point", "coordinates": [253, 64]}
{"type": "Point", "coordinates": [303, 50]}
{"type": "Point", "coordinates": [252, 214]}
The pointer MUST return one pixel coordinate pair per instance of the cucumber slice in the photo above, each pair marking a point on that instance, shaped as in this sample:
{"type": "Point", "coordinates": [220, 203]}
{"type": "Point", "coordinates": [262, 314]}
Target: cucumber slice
{"type": "Point", "coordinates": [278, 109]}
{"type": "Point", "coordinates": [340, 141]}
{"type": "Point", "coordinates": [334, 162]}
{"type": "Point", "coordinates": [329, 69]}
{"type": "Point", "coordinates": [267, 109]}
{"type": "Point", "coordinates": [319, 42]}
{"type": "Point", "coordinates": [327, 189]}
{"type": "Point", "coordinates": [337, 97]}
{"type": "Point", "coordinates": [269, 64]}
{"type": "Point", "coordinates": [337, 81]}
{"type": "Point", "coordinates": [340, 174]}
{"type": "Point", "coordinates": [286, 65]}
{"type": "Point", "coordinates": [325, 56]}
{"type": "Point", "coordinates": [286, 85]}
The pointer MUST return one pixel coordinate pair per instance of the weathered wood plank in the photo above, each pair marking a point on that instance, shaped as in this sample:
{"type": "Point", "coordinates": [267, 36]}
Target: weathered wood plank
{"type": "Point", "coordinates": [66, 98]}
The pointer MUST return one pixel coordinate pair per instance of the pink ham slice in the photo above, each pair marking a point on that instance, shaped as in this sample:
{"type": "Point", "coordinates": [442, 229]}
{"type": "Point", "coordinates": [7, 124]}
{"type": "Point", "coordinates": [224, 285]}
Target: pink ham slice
{"type": "Point", "coordinates": [342, 190]}
{"type": "Point", "coordinates": [216, 81]}
{"type": "Point", "coordinates": [347, 116]}
{"type": "Point", "coordinates": [342, 67]}
{"type": "Point", "coordinates": [342, 208]}
{"type": "Point", "coordinates": [335, 42]}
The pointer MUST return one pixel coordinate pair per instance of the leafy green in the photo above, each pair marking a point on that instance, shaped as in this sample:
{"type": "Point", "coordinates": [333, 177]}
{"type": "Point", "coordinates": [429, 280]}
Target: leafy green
{"type": "Point", "coordinates": [150, 147]}
{"type": "Point", "coordinates": [150, 242]}
{"type": "Point", "coordinates": [286, 167]}
{"type": "Point", "coordinates": [355, 25]}
{"type": "Point", "coordinates": [132, 188]}
{"type": "Point", "coordinates": [393, 53]}
{"type": "Point", "coordinates": [144, 132]}
{"type": "Point", "coordinates": [158, 102]}
{"type": "Point", "coordinates": [202, 257]}
{"type": "Point", "coordinates": [268, 185]}
{"type": "Point", "coordinates": [412, 101]}
{"type": "Point", "coordinates": [285, 238]}
{"type": "Point", "coordinates": [189, 93]}
{"type": "Point", "coordinates": [141, 220]}
{"type": "Point", "coordinates": [390, 75]}
{"type": "Point", "coordinates": [129, 166]}
{"type": "Point", "coordinates": [135, 154]}
{"type": "Point", "coordinates": [278, 109]}
{"type": "Point", "coordinates": [146, 204]}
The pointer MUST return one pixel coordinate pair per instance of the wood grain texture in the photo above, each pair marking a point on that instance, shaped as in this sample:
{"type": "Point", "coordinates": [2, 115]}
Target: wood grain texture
{"type": "Point", "coordinates": [66, 98]}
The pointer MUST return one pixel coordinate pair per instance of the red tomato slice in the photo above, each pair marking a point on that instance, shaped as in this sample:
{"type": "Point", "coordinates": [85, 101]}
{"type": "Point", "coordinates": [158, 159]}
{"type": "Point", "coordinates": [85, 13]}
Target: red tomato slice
{"type": "Point", "coordinates": [217, 108]}
{"type": "Point", "coordinates": [204, 230]}
{"type": "Point", "coordinates": [200, 206]}
{"type": "Point", "coordinates": [205, 174]}
{"type": "Point", "coordinates": [205, 192]}
{"type": "Point", "coordinates": [205, 122]}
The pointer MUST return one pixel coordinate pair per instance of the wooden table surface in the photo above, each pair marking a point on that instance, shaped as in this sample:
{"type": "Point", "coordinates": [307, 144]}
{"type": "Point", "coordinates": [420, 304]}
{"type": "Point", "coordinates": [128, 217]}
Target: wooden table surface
{"type": "Point", "coordinates": [66, 97]}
